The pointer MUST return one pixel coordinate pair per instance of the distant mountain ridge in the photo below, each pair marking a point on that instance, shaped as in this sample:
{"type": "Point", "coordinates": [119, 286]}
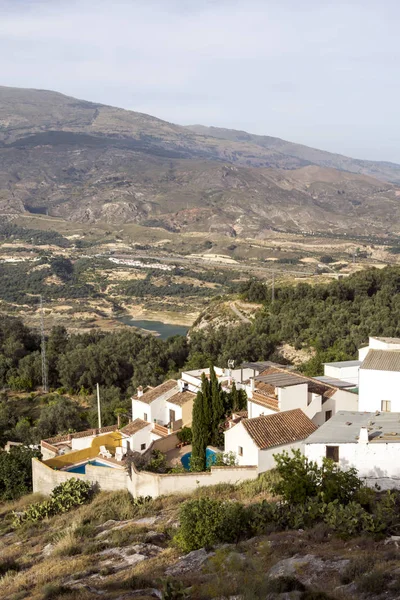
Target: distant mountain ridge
{"type": "Point", "coordinates": [90, 162]}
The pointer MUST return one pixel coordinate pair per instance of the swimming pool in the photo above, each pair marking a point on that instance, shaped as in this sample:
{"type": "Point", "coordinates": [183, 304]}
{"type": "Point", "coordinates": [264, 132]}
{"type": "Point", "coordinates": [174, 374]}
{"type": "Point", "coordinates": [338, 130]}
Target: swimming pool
{"type": "Point", "coordinates": [81, 468]}
{"type": "Point", "coordinates": [211, 457]}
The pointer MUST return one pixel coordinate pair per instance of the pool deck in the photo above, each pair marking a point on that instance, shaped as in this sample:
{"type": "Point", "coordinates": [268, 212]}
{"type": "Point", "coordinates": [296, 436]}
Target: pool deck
{"type": "Point", "coordinates": [174, 456]}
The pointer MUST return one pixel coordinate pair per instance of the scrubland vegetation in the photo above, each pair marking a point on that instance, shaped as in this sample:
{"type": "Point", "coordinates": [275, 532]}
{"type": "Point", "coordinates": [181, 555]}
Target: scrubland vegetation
{"type": "Point", "coordinates": [250, 532]}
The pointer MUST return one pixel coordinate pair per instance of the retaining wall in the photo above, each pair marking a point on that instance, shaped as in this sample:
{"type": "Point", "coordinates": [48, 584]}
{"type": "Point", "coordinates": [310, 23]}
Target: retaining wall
{"type": "Point", "coordinates": [140, 483]}
{"type": "Point", "coordinates": [144, 483]}
{"type": "Point", "coordinates": [45, 479]}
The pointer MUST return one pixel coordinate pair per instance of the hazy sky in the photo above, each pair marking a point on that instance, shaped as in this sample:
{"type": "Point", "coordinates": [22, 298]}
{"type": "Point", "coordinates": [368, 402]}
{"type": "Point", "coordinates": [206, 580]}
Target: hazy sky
{"type": "Point", "coordinates": [325, 73]}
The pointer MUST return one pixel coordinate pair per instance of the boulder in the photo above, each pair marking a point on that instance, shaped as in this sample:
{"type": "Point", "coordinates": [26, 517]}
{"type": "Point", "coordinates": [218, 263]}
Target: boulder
{"type": "Point", "coordinates": [306, 568]}
{"type": "Point", "coordinates": [191, 562]}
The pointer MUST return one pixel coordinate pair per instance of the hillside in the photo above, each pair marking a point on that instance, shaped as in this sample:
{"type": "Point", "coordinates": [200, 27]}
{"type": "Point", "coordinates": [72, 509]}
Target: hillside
{"type": "Point", "coordinates": [118, 549]}
{"type": "Point", "coordinates": [87, 162]}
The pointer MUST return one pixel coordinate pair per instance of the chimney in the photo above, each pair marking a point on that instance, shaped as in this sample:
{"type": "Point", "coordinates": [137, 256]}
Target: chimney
{"type": "Point", "coordinates": [140, 391]}
{"type": "Point", "coordinates": [181, 385]}
{"type": "Point", "coordinates": [363, 437]}
{"type": "Point", "coordinates": [252, 384]}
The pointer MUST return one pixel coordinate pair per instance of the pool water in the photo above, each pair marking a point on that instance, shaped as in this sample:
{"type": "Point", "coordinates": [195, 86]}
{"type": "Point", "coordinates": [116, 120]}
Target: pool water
{"type": "Point", "coordinates": [82, 468]}
{"type": "Point", "coordinates": [211, 457]}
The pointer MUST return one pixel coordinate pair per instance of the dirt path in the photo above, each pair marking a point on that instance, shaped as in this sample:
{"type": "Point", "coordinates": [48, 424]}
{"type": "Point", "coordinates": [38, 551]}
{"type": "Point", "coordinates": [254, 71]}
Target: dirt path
{"type": "Point", "coordinates": [238, 313]}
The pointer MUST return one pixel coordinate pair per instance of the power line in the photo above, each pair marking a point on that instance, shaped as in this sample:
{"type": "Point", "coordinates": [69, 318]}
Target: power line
{"type": "Point", "coordinates": [43, 346]}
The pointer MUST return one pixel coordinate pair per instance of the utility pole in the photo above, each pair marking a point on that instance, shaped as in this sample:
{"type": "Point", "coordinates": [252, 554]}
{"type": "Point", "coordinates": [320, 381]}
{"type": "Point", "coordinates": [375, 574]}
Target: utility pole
{"type": "Point", "coordinates": [98, 404]}
{"type": "Point", "coordinates": [43, 348]}
{"type": "Point", "coordinates": [273, 287]}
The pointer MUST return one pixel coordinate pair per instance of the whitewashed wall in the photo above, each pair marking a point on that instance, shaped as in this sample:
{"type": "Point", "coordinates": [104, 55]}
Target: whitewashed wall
{"type": "Point", "coordinates": [238, 436]}
{"type": "Point", "coordinates": [178, 411]}
{"type": "Point", "coordinates": [377, 462]}
{"type": "Point", "coordinates": [82, 442]}
{"type": "Point", "coordinates": [294, 396]}
{"type": "Point", "coordinates": [349, 374]}
{"type": "Point", "coordinates": [256, 410]}
{"type": "Point", "coordinates": [266, 459]}
{"type": "Point", "coordinates": [139, 409]}
{"type": "Point", "coordinates": [341, 400]}
{"type": "Point", "coordinates": [143, 436]}
{"type": "Point", "coordinates": [376, 386]}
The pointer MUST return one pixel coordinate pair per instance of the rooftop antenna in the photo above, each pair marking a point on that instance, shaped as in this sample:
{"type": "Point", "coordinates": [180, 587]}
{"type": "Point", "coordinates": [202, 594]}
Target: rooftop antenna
{"type": "Point", "coordinates": [43, 348]}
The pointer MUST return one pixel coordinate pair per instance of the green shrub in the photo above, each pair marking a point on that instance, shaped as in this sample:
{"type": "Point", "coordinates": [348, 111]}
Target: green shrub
{"type": "Point", "coordinates": [185, 435]}
{"type": "Point", "coordinates": [64, 497]}
{"type": "Point", "coordinates": [225, 459]}
{"type": "Point", "coordinates": [301, 479]}
{"type": "Point", "coordinates": [206, 522]}
{"type": "Point", "coordinates": [174, 590]}
{"type": "Point", "coordinates": [348, 520]}
{"type": "Point", "coordinates": [298, 477]}
{"type": "Point", "coordinates": [157, 463]}
{"type": "Point", "coordinates": [16, 472]}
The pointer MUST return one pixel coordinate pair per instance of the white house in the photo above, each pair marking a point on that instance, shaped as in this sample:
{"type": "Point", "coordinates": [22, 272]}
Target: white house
{"type": "Point", "coordinates": [368, 441]}
{"type": "Point", "coordinates": [344, 371]}
{"type": "Point", "coordinates": [170, 403]}
{"type": "Point", "coordinates": [379, 377]}
{"type": "Point", "coordinates": [138, 435]}
{"type": "Point", "coordinates": [379, 343]}
{"type": "Point", "coordinates": [278, 389]}
{"type": "Point", "coordinates": [255, 441]}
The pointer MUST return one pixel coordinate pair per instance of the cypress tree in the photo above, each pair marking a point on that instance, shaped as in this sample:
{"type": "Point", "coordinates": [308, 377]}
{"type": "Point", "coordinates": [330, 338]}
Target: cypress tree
{"type": "Point", "coordinates": [201, 426]}
{"type": "Point", "coordinates": [234, 398]}
{"type": "Point", "coordinates": [218, 409]}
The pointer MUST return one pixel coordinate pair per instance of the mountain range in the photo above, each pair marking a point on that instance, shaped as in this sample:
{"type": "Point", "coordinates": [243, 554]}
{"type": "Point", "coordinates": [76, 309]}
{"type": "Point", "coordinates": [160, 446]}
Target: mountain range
{"type": "Point", "coordinates": [88, 162]}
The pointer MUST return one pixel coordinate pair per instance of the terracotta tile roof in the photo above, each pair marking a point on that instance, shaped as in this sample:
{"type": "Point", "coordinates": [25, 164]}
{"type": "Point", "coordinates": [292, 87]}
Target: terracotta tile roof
{"type": "Point", "coordinates": [266, 401]}
{"type": "Point", "coordinates": [133, 427]}
{"type": "Point", "coordinates": [241, 413]}
{"type": "Point", "coordinates": [158, 391]}
{"type": "Point", "coordinates": [278, 429]}
{"type": "Point", "coordinates": [182, 397]}
{"type": "Point", "coordinates": [265, 388]}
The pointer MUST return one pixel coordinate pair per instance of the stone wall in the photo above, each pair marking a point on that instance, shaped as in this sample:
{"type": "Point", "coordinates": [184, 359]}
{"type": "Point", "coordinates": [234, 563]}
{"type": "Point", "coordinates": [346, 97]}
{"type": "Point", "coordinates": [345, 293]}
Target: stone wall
{"type": "Point", "coordinates": [45, 479]}
{"type": "Point", "coordinates": [153, 484]}
{"type": "Point", "coordinates": [140, 483]}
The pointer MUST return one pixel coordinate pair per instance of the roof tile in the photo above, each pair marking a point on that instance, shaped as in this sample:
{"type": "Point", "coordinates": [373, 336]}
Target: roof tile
{"type": "Point", "coordinates": [278, 429]}
{"type": "Point", "coordinates": [158, 391]}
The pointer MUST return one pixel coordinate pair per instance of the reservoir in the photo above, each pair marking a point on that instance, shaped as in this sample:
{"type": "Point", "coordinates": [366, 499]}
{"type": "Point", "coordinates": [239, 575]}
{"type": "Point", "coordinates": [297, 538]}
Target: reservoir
{"type": "Point", "coordinates": [163, 330]}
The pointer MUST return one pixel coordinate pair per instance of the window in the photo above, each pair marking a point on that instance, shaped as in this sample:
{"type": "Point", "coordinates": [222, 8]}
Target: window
{"type": "Point", "coordinates": [386, 405]}
{"type": "Point", "coordinates": [145, 417]}
{"type": "Point", "coordinates": [332, 452]}
{"type": "Point", "coordinates": [328, 415]}
{"type": "Point", "coordinates": [240, 450]}
{"type": "Point", "coordinates": [143, 446]}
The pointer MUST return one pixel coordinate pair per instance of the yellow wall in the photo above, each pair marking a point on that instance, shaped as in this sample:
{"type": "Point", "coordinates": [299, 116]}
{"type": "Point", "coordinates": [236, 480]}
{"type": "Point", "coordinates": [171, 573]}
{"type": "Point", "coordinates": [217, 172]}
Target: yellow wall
{"type": "Point", "coordinates": [110, 440]}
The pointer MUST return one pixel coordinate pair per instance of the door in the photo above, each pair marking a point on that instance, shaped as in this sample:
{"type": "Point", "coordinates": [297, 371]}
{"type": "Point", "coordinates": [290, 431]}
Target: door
{"type": "Point", "coordinates": [171, 415]}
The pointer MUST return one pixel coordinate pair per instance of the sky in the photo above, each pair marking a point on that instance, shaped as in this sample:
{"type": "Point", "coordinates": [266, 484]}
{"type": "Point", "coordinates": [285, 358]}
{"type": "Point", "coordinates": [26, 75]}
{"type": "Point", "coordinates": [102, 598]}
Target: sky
{"type": "Point", "coordinates": [324, 73]}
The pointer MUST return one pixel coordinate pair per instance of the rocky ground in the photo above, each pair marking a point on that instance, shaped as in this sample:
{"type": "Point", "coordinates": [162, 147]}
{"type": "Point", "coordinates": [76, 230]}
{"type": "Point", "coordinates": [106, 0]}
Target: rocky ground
{"type": "Point", "coordinates": [114, 549]}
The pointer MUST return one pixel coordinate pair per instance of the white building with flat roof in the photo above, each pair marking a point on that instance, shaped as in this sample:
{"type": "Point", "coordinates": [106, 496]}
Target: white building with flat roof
{"type": "Point", "coordinates": [368, 441]}
{"type": "Point", "coordinates": [346, 371]}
